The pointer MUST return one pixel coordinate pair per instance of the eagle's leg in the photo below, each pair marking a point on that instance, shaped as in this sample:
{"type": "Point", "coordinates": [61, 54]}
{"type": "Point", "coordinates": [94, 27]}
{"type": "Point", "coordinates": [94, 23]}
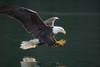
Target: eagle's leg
{"type": "Point", "coordinates": [40, 44]}
{"type": "Point", "coordinates": [61, 42]}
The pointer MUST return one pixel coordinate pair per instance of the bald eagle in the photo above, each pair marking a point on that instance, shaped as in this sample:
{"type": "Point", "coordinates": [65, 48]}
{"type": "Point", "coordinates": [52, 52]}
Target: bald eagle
{"type": "Point", "coordinates": [43, 31]}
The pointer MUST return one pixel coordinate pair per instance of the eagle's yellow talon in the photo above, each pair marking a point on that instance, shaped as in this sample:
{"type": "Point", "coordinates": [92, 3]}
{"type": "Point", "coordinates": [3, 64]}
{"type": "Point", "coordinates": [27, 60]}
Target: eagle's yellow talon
{"type": "Point", "coordinates": [61, 42]}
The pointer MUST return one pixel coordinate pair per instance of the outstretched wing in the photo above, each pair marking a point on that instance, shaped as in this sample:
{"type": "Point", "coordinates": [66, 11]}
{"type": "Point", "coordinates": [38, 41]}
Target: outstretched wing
{"type": "Point", "coordinates": [50, 21]}
{"type": "Point", "coordinates": [30, 19]}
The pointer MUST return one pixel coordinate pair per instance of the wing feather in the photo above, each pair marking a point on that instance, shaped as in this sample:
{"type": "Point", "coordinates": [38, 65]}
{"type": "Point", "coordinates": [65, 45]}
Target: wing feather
{"type": "Point", "coordinates": [50, 21]}
{"type": "Point", "coordinates": [29, 18]}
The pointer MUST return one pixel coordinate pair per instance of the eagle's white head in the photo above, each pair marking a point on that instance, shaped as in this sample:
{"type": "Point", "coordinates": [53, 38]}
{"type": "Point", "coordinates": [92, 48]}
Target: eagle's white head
{"type": "Point", "coordinates": [58, 29]}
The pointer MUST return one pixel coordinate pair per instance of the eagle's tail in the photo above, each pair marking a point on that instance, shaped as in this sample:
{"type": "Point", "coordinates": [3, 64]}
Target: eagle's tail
{"type": "Point", "coordinates": [29, 44]}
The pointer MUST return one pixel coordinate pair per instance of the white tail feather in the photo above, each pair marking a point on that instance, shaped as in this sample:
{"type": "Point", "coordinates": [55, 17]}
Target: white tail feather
{"type": "Point", "coordinates": [29, 44]}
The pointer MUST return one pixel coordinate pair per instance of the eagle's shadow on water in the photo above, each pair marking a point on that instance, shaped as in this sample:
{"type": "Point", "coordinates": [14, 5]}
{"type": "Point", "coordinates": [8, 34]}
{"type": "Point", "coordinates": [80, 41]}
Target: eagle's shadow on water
{"type": "Point", "coordinates": [31, 62]}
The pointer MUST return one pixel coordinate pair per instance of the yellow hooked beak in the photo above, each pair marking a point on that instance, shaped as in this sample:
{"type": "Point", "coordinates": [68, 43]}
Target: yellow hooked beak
{"type": "Point", "coordinates": [63, 31]}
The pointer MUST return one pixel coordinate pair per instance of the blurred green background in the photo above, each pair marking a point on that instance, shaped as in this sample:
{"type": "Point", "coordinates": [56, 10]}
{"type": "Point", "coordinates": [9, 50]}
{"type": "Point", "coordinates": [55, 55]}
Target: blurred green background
{"type": "Point", "coordinates": [81, 20]}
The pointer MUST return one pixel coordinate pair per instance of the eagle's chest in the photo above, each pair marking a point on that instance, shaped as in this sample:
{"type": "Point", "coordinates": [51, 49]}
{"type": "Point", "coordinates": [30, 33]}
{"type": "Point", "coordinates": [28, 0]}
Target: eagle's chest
{"type": "Point", "coordinates": [45, 32]}
{"type": "Point", "coordinates": [42, 32]}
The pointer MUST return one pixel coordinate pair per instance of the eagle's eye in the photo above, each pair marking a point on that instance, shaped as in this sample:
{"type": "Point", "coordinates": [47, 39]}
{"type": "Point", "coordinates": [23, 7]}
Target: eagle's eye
{"type": "Point", "coordinates": [61, 29]}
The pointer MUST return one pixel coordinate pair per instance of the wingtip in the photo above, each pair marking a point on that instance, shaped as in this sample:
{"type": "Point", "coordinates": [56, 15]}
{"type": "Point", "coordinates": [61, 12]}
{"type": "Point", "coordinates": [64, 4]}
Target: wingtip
{"type": "Point", "coordinates": [55, 17]}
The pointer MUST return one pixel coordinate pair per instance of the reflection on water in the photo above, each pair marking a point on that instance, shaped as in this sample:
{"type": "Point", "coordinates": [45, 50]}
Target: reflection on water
{"type": "Point", "coordinates": [31, 62]}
